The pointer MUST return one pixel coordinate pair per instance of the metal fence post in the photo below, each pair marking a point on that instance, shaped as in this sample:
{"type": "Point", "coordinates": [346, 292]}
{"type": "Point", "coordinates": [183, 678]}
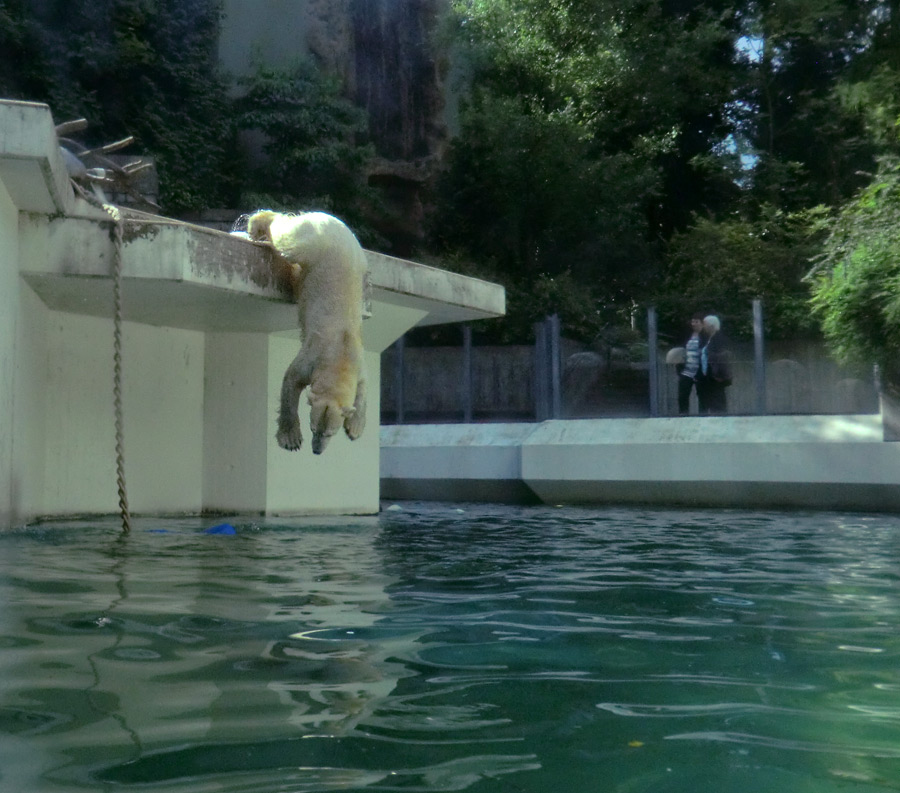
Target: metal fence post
{"type": "Point", "coordinates": [759, 357]}
{"type": "Point", "coordinates": [554, 333]}
{"type": "Point", "coordinates": [541, 395]}
{"type": "Point", "coordinates": [653, 360]}
{"type": "Point", "coordinates": [467, 374]}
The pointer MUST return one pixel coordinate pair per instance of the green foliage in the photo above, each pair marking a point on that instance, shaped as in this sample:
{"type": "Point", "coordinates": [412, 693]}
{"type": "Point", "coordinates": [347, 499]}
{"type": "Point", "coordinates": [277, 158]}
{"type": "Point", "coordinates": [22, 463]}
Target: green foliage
{"type": "Point", "coordinates": [149, 68]}
{"type": "Point", "coordinates": [146, 68]}
{"type": "Point", "coordinates": [523, 196]}
{"type": "Point", "coordinates": [586, 142]}
{"type": "Point", "coordinates": [856, 286]}
{"type": "Point", "coordinates": [524, 192]}
{"type": "Point", "coordinates": [313, 159]}
{"type": "Point", "coordinates": [721, 267]}
{"type": "Point", "coordinates": [639, 78]}
{"type": "Point", "coordinates": [876, 99]}
{"type": "Point", "coordinates": [596, 163]}
{"type": "Point", "coordinates": [24, 69]}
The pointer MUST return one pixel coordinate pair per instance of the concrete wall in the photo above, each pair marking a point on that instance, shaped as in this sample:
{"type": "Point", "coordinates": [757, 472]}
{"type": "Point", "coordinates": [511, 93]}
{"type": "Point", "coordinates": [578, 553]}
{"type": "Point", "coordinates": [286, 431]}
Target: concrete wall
{"type": "Point", "coordinates": [64, 417]}
{"type": "Point", "coordinates": [199, 417]}
{"type": "Point", "coordinates": [249, 29]}
{"type": "Point", "coordinates": [244, 466]}
{"type": "Point", "coordinates": [816, 462]}
{"type": "Point", "coordinates": [345, 478]}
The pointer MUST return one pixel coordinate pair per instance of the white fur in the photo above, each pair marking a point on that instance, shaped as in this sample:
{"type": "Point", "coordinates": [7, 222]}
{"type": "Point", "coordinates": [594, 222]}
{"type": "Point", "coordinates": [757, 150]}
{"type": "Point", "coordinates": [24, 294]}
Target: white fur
{"type": "Point", "coordinates": [327, 270]}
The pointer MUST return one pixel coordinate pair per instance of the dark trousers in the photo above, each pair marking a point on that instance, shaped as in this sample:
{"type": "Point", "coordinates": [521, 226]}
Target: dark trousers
{"type": "Point", "coordinates": [685, 384]}
{"type": "Point", "coordinates": [711, 397]}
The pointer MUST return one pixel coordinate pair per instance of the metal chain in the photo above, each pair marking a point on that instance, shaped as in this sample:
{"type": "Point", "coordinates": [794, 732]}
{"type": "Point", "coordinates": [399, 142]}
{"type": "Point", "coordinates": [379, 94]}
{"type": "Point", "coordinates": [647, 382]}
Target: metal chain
{"type": "Point", "coordinates": [117, 365]}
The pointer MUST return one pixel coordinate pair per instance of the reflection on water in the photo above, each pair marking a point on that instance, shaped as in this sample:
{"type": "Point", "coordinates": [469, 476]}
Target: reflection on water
{"type": "Point", "coordinates": [493, 649]}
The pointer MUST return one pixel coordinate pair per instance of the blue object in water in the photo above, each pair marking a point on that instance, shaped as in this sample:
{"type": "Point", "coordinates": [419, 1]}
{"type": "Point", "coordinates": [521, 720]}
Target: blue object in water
{"type": "Point", "coordinates": [222, 528]}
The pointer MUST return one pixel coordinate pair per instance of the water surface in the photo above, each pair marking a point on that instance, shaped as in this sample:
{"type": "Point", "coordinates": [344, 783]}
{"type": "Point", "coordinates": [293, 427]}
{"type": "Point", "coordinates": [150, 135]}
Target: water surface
{"type": "Point", "coordinates": [445, 648]}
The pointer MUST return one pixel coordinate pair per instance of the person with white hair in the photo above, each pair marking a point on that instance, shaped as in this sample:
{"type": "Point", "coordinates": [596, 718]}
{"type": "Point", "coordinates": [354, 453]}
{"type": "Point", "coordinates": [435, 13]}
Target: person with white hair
{"type": "Point", "coordinates": [715, 369]}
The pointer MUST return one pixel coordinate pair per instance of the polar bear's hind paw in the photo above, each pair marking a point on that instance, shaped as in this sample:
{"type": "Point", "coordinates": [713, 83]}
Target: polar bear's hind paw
{"type": "Point", "coordinates": [290, 439]}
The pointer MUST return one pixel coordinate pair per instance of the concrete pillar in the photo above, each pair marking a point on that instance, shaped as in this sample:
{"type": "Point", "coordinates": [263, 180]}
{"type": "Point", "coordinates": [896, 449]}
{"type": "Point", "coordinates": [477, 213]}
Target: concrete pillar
{"type": "Point", "coordinates": [467, 395]}
{"type": "Point", "coordinates": [9, 309]}
{"type": "Point", "coordinates": [235, 422]}
{"type": "Point", "coordinates": [345, 478]}
{"type": "Point", "coordinates": [244, 469]}
{"type": "Point", "coordinates": [399, 367]}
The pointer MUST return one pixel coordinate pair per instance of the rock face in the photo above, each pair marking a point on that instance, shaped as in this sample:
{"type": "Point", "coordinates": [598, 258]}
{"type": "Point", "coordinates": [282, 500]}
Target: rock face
{"type": "Point", "coordinates": [386, 53]}
{"type": "Point", "coordinates": [397, 76]}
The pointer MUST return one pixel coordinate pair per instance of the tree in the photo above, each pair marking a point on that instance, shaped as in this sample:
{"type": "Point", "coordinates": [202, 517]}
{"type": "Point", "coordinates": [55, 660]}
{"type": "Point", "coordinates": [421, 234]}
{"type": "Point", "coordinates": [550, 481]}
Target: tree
{"type": "Point", "coordinates": [24, 68]}
{"type": "Point", "coordinates": [856, 284]}
{"type": "Point", "coordinates": [146, 68]}
{"type": "Point", "coordinates": [649, 79]}
{"type": "Point", "coordinates": [583, 137]}
{"type": "Point", "coordinates": [311, 140]}
{"type": "Point", "coordinates": [808, 145]}
{"type": "Point", "coordinates": [722, 266]}
{"type": "Point", "coordinates": [524, 192]}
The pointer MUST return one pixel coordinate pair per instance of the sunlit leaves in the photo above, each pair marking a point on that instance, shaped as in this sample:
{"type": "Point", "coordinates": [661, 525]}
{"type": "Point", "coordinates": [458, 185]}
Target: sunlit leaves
{"type": "Point", "coordinates": [857, 282]}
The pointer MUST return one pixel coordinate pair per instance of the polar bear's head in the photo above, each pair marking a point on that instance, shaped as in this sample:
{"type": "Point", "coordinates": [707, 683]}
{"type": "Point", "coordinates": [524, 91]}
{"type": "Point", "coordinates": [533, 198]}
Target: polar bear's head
{"type": "Point", "coordinates": [326, 418]}
{"type": "Point", "coordinates": [259, 225]}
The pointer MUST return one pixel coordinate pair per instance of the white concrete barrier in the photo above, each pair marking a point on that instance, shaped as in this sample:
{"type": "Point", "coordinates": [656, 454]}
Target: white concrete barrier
{"type": "Point", "coordinates": [821, 462]}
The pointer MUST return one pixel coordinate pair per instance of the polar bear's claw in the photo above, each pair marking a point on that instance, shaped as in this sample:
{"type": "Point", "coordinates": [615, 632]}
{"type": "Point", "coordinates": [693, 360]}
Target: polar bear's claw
{"type": "Point", "coordinates": [290, 439]}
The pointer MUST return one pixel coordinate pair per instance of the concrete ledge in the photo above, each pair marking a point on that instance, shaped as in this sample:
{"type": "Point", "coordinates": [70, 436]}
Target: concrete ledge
{"type": "Point", "coordinates": [821, 462]}
{"type": "Point", "coordinates": [31, 164]}
{"type": "Point", "coordinates": [455, 462]}
{"type": "Point", "coordinates": [730, 495]}
{"type": "Point", "coordinates": [179, 275]}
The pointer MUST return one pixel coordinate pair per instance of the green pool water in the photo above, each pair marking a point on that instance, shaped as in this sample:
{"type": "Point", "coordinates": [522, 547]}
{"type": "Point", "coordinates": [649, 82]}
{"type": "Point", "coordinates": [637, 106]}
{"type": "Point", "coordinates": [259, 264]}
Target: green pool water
{"type": "Point", "coordinates": [448, 648]}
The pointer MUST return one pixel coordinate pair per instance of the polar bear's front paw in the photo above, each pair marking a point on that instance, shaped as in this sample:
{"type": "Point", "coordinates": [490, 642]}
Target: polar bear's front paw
{"type": "Point", "coordinates": [354, 424]}
{"type": "Point", "coordinates": [290, 439]}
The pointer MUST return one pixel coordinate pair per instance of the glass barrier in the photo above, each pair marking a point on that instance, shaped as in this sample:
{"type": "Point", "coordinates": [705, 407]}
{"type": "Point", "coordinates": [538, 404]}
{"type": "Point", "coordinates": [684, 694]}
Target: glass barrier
{"type": "Point", "coordinates": [634, 372]}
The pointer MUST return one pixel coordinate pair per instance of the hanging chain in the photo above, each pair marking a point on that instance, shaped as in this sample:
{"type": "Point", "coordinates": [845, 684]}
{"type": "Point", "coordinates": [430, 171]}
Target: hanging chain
{"type": "Point", "coordinates": [117, 365]}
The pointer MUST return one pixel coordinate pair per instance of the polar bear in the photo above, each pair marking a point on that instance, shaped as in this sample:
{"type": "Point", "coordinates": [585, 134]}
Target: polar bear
{"type": "Point", "coordinates": [327, 268]}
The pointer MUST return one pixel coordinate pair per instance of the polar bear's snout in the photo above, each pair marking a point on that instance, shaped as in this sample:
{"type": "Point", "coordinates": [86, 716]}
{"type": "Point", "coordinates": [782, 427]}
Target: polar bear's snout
{"type": "Point", "coordinates": [326, 419]}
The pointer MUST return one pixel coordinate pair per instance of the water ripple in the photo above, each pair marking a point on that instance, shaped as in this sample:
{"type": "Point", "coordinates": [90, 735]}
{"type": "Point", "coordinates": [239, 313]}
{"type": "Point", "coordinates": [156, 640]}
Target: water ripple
{"type": "Point", "coordinates": [830, 748]}
{"type": "Point", "coordinates": [430, 649]}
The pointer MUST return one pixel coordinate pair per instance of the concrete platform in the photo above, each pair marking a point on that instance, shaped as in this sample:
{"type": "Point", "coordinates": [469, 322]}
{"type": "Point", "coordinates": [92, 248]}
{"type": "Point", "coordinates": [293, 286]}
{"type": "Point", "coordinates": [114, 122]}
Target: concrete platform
{"type": "Point", "coordinates": [207, 335]}
{"type": "Point", "coordinates": [812, 462]}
